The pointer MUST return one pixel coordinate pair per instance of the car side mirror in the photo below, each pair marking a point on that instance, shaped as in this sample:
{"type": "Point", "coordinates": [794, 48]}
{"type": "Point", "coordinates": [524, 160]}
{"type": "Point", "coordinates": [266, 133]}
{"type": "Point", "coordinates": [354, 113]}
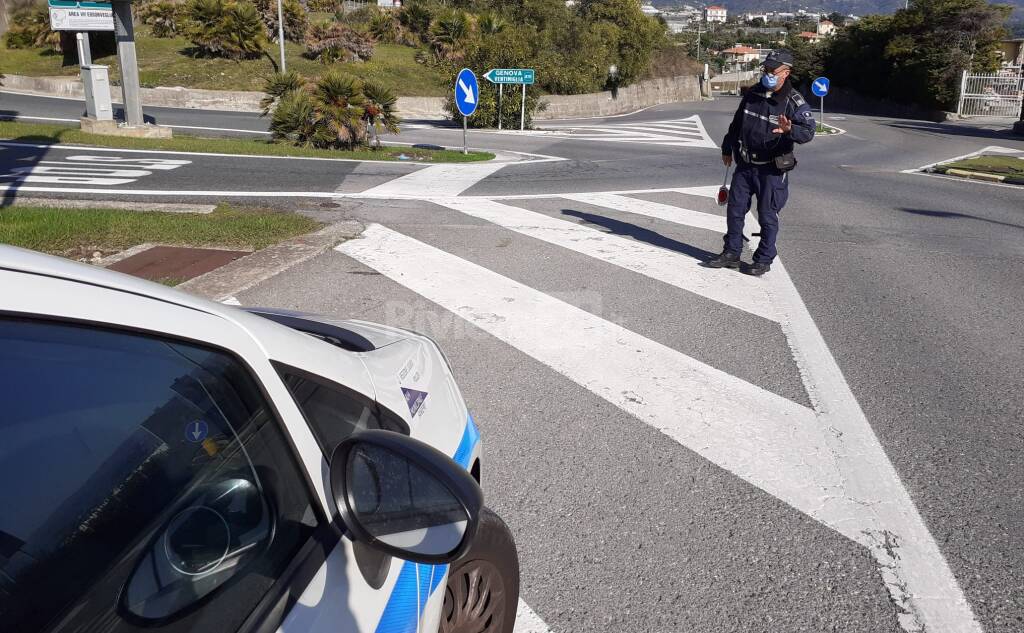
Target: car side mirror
{"type": "Point", "coordinates": [403, 497]}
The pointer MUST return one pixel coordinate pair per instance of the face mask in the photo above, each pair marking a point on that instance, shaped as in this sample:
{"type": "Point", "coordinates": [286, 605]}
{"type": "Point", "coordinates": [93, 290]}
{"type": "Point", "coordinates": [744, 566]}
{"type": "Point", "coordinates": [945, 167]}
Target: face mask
{"type": "Point", "coordinates": [769, 81]}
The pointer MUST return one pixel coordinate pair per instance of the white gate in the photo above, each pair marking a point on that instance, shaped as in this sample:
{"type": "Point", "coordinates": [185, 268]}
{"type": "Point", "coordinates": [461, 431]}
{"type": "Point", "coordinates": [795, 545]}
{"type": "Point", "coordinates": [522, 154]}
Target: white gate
{"type": "Point", "coordinates": [997, 94]}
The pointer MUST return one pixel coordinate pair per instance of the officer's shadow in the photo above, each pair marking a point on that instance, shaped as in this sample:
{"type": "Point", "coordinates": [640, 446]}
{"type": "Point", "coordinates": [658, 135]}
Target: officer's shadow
{"type": "Point", "coordinates": [641, 234]}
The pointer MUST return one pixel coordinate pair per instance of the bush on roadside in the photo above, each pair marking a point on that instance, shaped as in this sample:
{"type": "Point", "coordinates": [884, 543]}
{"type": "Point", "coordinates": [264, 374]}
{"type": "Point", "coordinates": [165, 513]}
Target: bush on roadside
{"type": "Point", "coordinates": [336, 42]}
{"type": "Point", "coordinates": [30, 27]}
{"type": "Point", "coordinates": [322, 6]}
{"type": "Point", "coordinates": [416, 18]}
{"type": "Point", "coordinates": [295, 19]}
{"type": "Point", "coordinates": [336, 112]}
{"type": "Point", "coordinates": [225, 28]}
{"type": "Point", "coordinates": [165, 18]}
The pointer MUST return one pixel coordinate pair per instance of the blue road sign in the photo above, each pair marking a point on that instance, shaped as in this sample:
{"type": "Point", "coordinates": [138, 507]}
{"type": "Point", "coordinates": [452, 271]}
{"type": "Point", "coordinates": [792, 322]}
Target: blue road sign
{"type": "Point", "coordinates": [820, 86]}
{"type": "Point", "coordinates": [196, 431]}
{"type": "Point", "coordinates": [510, 76]}
{"type": "Point", "coordinates": [467, 92]}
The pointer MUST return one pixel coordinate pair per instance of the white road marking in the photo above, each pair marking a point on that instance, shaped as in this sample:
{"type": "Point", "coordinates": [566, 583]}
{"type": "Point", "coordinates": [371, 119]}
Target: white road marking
{"type": "Point", "coordinates": [682, 271]}
{"type": "Point", "coordinates": [89, 170]}
{"type": "Point", "coordinates": [437, 181]}
{"type": "Point", "coordinates": [991, 148]}
{"type": "Point", "coordinates": [685, 132]}
{"type": "Point", "coordinates": [650, 209]}
{"type": "Point", "coordinates": [825, 462]}
{"type": "Point", "coordinates": [527, 621]}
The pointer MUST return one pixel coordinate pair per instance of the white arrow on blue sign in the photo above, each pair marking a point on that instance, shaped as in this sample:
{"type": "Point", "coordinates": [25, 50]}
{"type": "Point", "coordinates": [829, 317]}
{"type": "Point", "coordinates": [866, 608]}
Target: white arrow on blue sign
{"type": "Point", "coordinates": [467, 92]}
{"type": "Point", "coordinates": [820, 86]}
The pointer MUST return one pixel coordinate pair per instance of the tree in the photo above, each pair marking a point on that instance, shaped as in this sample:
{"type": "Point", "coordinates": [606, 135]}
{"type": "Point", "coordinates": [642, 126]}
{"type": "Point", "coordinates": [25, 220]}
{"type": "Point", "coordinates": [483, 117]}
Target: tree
{"type": "Point", "coordinates": [640, 35]}
{"type": "Point", "coordinates": [295, 19]}
{"type": "Point", "coordinates": [225, 29]}
{"type": "Point", "coordinates": [379, 110]}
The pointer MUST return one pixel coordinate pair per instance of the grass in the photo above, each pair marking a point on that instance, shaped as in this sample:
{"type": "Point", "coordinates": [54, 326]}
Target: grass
{"type": "Point", "coordinates": [1010, 166]}
{"type": "Point", "coordinates": [47, 133]}
{"type": "Point", "coordinates": [167, 62]}
{"type": "Point", "coordinates": [80, 232]}
{"type": "Point", "coordinates": [824, 128]}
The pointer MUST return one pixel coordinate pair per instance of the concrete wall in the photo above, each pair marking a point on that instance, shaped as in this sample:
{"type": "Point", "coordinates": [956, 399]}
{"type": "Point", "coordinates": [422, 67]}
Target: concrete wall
{"type": "Point", "coordinates": [640, 95]}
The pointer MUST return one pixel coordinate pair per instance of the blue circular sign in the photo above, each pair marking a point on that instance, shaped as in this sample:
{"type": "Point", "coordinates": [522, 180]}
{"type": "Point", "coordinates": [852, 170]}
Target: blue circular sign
{"type": "Point", "coordinates": [196, 431]}
{"type": "Point", "coordinates": [820, 86]}
{"type": "Point", "coordinates": [467, 92]}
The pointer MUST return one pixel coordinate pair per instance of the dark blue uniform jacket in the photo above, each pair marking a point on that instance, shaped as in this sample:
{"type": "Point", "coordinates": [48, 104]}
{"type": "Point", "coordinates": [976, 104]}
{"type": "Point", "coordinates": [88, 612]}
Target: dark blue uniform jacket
{"type": "Point", "coordinates": [750, 137]}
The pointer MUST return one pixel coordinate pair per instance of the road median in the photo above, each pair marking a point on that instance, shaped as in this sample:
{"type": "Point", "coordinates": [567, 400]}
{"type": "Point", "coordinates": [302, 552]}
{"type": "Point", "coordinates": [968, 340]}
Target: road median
{"type": "Point", "coordinates": [52, 134]}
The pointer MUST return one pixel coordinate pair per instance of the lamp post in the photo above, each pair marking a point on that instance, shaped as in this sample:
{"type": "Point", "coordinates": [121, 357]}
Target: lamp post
{"type": "Point", "coordinates": [280, 32]}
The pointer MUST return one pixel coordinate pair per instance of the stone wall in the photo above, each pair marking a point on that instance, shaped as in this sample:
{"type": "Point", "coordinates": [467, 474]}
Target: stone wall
{"type": "Point", "coordinates": [640, 95]}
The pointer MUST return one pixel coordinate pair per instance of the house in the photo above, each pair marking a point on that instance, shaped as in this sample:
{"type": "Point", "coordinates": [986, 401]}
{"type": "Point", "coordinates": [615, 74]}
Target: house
{"type": "Point", "coordinates": [715, 13]}
{"type": "Point", "coordinates": [810, 38]}
{"type": "Point", "coordinates": [1012, 52]}
{"type": "Point", "coordinates": [739, 57]}
{"type": "Point", "coordinates": [826, 28]}
{"type": "Point", "coordinates": [389, 4]}
{"type": "Point", "coordinates": [750, 17]}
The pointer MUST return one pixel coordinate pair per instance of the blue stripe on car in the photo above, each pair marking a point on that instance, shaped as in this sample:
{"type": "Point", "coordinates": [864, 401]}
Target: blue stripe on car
{"type": "Point", "coordinates": [409, 596]}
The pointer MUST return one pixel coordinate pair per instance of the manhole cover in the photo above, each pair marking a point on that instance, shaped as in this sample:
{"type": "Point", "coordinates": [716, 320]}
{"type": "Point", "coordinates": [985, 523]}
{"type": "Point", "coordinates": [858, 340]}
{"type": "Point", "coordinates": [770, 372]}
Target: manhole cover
{"type": "Point", "coordinates": [175, 264]}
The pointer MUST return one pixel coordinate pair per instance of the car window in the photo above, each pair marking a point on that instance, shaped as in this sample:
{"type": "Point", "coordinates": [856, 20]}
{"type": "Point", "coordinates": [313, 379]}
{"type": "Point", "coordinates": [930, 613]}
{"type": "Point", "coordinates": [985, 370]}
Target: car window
{"type": "Point", "coordinates": [332, 411]}
{"type": "Point", "coordinates": [144, 483]}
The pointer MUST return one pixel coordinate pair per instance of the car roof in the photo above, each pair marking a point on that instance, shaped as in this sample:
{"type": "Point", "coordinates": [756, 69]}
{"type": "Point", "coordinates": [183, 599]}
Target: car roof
{"type": "Point", "coordinates": [278, 342]}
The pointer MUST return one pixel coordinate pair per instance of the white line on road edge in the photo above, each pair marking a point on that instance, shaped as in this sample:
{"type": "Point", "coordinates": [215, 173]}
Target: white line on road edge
{"type": "Point", "coordinates": [527, 621]}
{"type": "Point", "coordinates": [826, 463]}
{"type": "Point", "coordinates": [681, 271]}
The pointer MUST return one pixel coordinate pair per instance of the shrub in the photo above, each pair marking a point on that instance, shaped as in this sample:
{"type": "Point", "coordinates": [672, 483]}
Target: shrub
{"type": "Point", "coordinates": [277, 86]}
{"type": "Point", "coordinates": [322, 6]}
{"type": "Point", "coordinates": [448, 36]}
{"type": "Point", "coordinates": [223, 28]}
{"type": "Point", "coordinates": [163, 17]}
{"type": "Point", "coordinates": [295, 19]}
{"type": "Point", "coordinates": [337, 112]}
{"type": "Point", "coordinates": [30, 28]}
{"type": "Point", "coordinates": [335, 42]}
{"type": "Point", "coordinates": [416, 19]}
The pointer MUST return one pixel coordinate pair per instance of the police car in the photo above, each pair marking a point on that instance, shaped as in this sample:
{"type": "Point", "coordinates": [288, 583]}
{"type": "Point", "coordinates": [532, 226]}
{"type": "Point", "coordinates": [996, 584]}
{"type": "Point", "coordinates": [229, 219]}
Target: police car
{"type": "Point", "coordinates": [172, 464]}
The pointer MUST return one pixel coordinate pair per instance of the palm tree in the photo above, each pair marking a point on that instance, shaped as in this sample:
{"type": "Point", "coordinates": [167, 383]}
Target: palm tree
{"type": "Point", "coordinates": [277, 86]}
{"type": "Point", "coordinates": [339, 104]}
{"type": "Point", "coordinates": [491, 24]}
{"type": "Point", "coordinates": [379, 110]}
{"type": "Point", "coordinates": [448, 33]}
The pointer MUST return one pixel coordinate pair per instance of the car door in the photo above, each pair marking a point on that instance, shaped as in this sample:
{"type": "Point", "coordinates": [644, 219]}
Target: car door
{"type": "Point", "coordinates": [287, 568]}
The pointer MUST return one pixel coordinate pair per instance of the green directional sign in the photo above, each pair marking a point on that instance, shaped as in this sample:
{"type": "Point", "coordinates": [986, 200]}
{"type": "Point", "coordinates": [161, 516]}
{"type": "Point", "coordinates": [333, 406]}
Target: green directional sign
{"type": "Point", "coordinates": [510, 76]}
{"type": "Point", "coordinates": [81, 15]}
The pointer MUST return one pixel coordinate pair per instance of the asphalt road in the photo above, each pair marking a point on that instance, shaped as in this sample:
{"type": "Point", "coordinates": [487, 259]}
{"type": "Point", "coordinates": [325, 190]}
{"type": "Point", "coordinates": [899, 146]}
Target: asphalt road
{"type": "Point", "coordinates": [635, 489]}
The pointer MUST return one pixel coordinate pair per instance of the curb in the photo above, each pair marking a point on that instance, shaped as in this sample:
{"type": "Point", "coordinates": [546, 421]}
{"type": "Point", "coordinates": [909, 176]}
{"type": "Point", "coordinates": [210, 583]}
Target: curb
{"type": "Point", "coordinates": [244, 273]}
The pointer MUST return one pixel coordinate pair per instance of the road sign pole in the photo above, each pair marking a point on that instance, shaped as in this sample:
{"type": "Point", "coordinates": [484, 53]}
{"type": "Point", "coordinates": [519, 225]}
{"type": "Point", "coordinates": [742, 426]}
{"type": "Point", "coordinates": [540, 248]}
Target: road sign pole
{"type": "Point", "coordinates": [522, 111]}
{"type": "Point", "coordinates": [823, 113]}
{"type": "Point", "coordinates": [501, 91]}
{"type": "Point", "coordinates": [465, 135]}
{"type": "Point", "coordinates": [124, 33]}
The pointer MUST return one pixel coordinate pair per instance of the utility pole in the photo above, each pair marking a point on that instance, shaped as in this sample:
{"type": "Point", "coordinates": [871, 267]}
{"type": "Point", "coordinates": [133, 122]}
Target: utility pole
{"type": "Point", "coordinates": [280, 32]}
{"type": "Point", "coordinates": [124, 33]}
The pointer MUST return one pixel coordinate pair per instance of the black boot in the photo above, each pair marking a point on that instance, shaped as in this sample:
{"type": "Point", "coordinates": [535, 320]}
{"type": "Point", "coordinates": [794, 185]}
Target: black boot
{"type": "Point", "coordinates": [727, 259]}
{"type": "Point", "coordinates": [757, 268]}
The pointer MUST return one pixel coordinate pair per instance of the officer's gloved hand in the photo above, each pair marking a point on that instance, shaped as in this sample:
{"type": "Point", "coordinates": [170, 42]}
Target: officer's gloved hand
{"type": "Point", "coordinates": [785, 125]}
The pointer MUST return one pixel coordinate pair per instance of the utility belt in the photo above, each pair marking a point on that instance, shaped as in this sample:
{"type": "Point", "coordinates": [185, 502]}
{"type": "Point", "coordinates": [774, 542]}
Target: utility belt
{"type": "Point", "coordinates": [782, 162]}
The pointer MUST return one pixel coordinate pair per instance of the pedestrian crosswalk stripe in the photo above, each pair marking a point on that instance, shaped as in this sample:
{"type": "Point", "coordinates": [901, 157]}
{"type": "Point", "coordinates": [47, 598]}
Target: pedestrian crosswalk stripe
{"type": "Point", "coordinates": [685, 132]}
{"type": "Point", "coordinates": [753, 432]}
{"type": "Point", "coordinates": [682, 271]}
{"type": "Point", "coordinates": [678, 215]}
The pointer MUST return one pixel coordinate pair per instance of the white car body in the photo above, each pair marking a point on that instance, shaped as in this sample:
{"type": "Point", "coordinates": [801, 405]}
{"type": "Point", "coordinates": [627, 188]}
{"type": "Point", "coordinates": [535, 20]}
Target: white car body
{"type": "Point", "coordinates": [338, 598]}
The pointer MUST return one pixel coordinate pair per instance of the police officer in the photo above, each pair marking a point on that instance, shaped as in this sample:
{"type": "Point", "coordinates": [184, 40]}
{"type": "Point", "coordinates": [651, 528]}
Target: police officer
{"type": "Point", "coordinates": [772, 116]}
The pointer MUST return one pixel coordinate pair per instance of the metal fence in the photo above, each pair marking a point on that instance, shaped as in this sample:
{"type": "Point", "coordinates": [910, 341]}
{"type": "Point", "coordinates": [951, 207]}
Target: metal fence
{"type": "Point", "coordinates": [998, 94]}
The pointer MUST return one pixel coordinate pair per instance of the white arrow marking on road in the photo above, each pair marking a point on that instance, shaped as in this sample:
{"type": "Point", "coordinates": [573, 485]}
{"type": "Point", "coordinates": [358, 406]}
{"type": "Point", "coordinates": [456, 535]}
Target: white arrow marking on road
{"type": "Point", "coordinates": [826, 462]}
{"type": "Point", "coordinates": [469, 92]}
